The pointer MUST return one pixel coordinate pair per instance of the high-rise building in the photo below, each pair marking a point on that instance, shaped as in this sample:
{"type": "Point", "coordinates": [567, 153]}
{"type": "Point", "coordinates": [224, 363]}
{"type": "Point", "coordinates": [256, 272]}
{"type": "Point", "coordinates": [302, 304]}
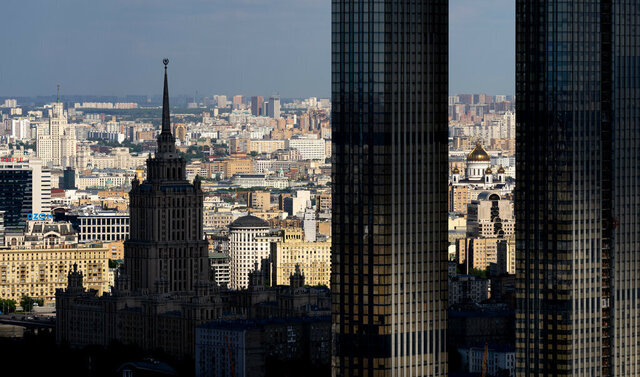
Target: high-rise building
{"type": "Point", "coordinates": [166, 250]}
{"type": "Point", "coordinates": [25, 189]}
{"type": "Point", "coordinates": [237, 102]}
{"type": "Point", "coordinates": [256, 105]}
{"type": "Point", "coordinates": [273, 107]}
{"type": "Point", "coordinates": [577, 199]}
{"type": "Point", "coordinates": [20, 129]}
{"type": "Point", "coordinates": [389, 269]}
{"type": "Point", "coordinates": [56, 144]}
{"type": "Point", "coordinates": [249, 246]}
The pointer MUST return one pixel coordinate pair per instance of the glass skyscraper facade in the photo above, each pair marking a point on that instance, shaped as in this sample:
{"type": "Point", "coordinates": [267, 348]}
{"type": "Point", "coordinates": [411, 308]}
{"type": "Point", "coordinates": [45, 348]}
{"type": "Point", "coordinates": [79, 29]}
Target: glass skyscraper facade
{"type": "Point", "coordinates": [577, 199]}
{"type": "Point", "coordinates": [389, 121]}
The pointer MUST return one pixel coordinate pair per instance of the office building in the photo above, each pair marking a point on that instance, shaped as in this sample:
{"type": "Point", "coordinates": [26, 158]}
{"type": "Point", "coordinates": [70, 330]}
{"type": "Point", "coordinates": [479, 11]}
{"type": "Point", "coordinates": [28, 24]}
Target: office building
{"type": "Point", "coordinates": [273, 107]}
{"type": "Point", "coordinates": [577, 197]}
{"type": "Point", "coordinates": [256, 105]}
{"type": "Point", "coordinates": [103, 226]}
{"type": "Point", "coordinates": [389, 133]}
{"type": "Point", "coordinates": [25, 189]}
{"type": "Point", "coordinates": [237, 102]}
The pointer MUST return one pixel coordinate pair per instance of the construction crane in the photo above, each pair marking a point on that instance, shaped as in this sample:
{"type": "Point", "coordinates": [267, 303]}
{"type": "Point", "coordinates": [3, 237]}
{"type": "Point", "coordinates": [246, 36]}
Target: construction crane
{"type": "Point", "coordinates": [485, 360]}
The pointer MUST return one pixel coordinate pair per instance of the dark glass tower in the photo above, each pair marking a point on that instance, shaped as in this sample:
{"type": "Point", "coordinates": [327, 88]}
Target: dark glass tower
{"type": "Point", "coordinates": [577, 197]}
{"type": "Point", "coordinates": [389, 119]}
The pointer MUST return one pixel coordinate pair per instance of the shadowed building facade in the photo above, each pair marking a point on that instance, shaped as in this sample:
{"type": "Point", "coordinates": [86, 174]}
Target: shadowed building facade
{"type": "Point", "coordinates": [577, 201]}
{"type": "Point", "coordinates": [389, 269]}
{"type": "Point", "coordinates": [166, 251]}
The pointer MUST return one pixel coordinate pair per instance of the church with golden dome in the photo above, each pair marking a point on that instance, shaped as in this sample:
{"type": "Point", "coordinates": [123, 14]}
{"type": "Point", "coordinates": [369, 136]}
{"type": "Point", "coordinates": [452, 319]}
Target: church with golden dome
{"type": "Point", "coordinates": [478, 172]}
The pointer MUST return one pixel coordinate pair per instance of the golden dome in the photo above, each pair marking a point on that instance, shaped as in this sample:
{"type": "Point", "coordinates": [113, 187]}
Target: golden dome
{"type": "Point", "coordinates": [456, 170]}
{"type": "Point", "coordinates": [501, 170]}
{"type": "Point", "coordinates": [479, 154]}
{"type": "Point", "coordinates": [488, 171]}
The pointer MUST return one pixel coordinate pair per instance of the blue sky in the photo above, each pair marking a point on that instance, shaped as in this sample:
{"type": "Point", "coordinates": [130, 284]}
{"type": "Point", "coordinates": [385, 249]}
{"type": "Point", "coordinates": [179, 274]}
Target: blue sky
{"type": "Point", "coordinates": [115, 47]}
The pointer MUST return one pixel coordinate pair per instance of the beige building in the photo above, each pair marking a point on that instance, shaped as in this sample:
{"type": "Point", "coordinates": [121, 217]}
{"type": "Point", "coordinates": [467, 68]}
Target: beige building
{"type": "Point", "coordinates": [41, 256]}
{"type": "Point", "coordinates": [38, 272]}
{"type": "Point", "coordinates": [228, 167]}
{"type": "Point", "coordinates": [458, 198]}
{"type": "Point", "coordinates": [260, 200]}
{"type": "Point", "coordinates": [481, 253]}
{"type": "Point", "coordinates": [291, 252]}
{"type": "Point", "coordinates": [490, 216]}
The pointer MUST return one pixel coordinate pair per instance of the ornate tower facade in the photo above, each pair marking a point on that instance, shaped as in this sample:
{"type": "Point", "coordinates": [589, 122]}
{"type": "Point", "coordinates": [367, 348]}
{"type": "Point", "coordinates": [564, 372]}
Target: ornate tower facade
{"type": "Point", "coordinates": [166, 251]}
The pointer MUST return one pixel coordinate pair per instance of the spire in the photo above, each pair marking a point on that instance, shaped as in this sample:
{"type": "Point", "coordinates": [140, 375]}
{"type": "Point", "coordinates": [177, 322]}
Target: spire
{"type": "Point", "coordinates": [58, 99]}
{"type": "Point", "coordinates": [166, 117]}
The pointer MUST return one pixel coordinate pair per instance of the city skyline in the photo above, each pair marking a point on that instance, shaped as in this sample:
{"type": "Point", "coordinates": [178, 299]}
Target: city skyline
{"type": "Point", "coordinates": [120, 43]}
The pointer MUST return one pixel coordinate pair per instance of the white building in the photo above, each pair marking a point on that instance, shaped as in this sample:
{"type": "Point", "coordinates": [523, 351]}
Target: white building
{"type": "Point", "coordinates": [309, 146]}
{"type": "Point", "coordinates": [248, 246]}
{"type": "Point", "coordinates": [20, 129]}
{"type": "Point", "coordinates": [56, 144]}
{"type": "Point", "coordinates": [103, 226]}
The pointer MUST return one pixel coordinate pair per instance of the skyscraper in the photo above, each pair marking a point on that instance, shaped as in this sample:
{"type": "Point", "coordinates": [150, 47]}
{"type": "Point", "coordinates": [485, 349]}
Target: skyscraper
{"type": "Point", "coordinates": [577, 199]}
{"type": "Point", "coordinates": [166, 251]}
{"type": "Point", "coordinates": [237, 102]}
{"type": "Point", "coordinates": [273, 107]}
{"type": "Point", "coordinates": [389, 269]}
{"type": "Point", "coordinates": [256, 105]}
{"type": "Point", "coordinates": [25, 189]}
{"type": "Point", "coordinates": [56, 144]}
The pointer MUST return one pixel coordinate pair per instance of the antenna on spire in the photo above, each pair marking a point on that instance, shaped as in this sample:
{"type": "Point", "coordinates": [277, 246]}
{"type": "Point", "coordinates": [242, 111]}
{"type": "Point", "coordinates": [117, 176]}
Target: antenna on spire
{"type": "Point", "coordinates": [58, 99]}
{"type": "Point", "coordinates": [166, 117]}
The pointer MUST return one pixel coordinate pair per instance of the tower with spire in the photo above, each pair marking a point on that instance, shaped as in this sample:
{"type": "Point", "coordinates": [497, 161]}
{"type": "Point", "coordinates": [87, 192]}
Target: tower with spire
{"type": "Point", "coordinates": [166, 251]}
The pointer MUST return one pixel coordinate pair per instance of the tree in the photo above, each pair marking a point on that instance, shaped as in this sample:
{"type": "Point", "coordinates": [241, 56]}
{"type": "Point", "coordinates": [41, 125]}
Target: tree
{"type": "Point", "coordinates": [27, 303]}
{"type": "Point", "coordinates": [7, 306]}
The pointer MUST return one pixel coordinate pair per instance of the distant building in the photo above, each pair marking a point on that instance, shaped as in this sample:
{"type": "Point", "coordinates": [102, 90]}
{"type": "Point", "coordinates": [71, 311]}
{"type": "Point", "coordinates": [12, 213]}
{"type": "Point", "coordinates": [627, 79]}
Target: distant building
{"type": "Point", "coordinates": [25, 189]}
{"type": "Point", "coordinates": [467, 288]}
{"type": "Point", "coordinates": [310, 148]}
{"type": "Point", "coordinates": [237, 102]}
{"type": "Point", "coordinates": [273, 107]}
{"type": "Point", "coordinates": [103, 226]}
{"type": "Point", "coordinates": [480, 253]}
{"type": "Point", "coordinates": [490, 216]}
{"type": "Point", "coordinates": [244, 345]}
{"type": "Point", "coordinates": [37, 260]}
{"type": "Point", "coordinates": [291, 253]}
{"type": "Point", "coordinates": [260, 200]}
{"type": "Point", "coordinates": [56, 144]}
{"type": "Point", "coordinates": [248, 247]}
{"type": "Point", "coordinates": [220, 264]}
{"type": "Point", "coordinates": [501, 359]}
{"type": "Point", "coordinates": [256, 105]}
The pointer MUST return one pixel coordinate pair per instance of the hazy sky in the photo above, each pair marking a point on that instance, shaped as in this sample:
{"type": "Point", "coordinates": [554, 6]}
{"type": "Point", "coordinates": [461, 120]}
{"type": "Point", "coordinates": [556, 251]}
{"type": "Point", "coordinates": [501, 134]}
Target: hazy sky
{"type": "Point", "coordinates": [115, 47]}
